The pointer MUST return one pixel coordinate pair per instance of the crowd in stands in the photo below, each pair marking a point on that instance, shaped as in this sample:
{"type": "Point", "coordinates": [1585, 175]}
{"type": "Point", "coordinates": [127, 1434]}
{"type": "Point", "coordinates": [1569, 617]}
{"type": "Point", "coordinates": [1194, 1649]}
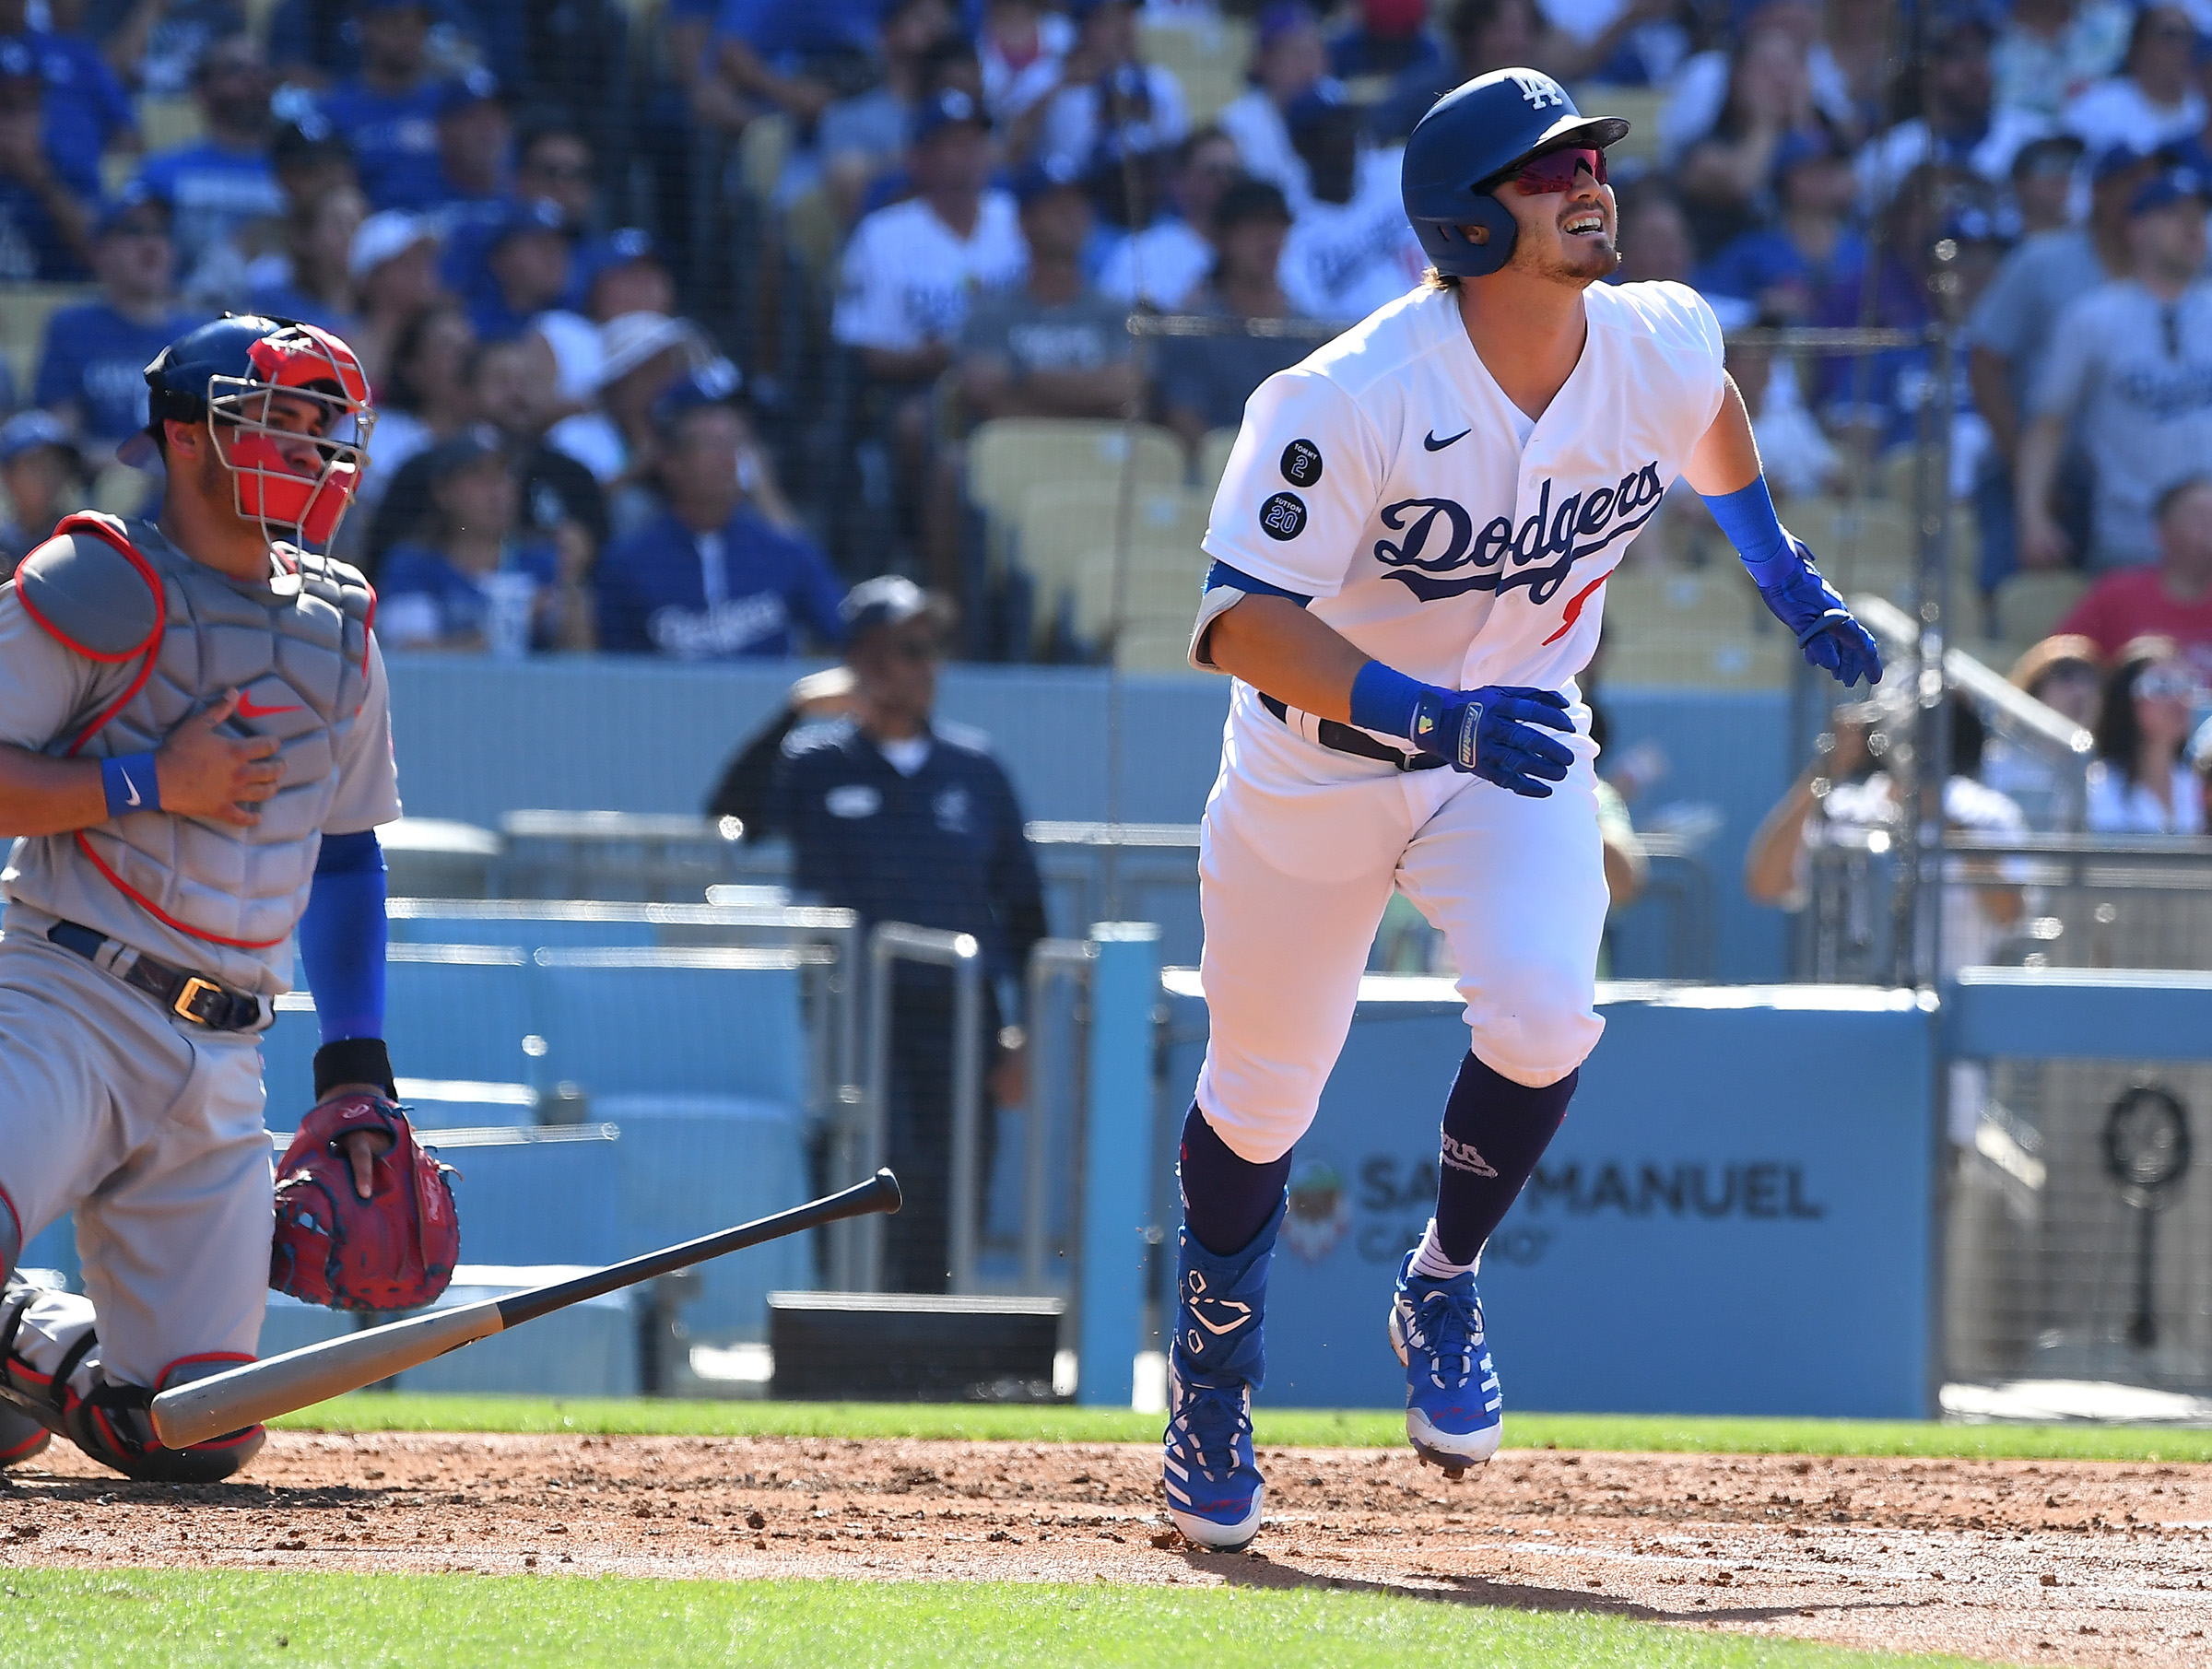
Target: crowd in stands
{"type": "Point", "coordinates": [680, 315]}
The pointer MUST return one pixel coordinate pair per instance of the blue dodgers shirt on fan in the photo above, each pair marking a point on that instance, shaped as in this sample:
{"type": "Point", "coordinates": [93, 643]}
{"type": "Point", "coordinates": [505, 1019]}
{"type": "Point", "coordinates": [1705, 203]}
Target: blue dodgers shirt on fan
{"type": "Point", "coordinates": [214, 193]}
{"type": "Point", "coordinates": [395, 142]}
{"type": "Point", "coordinates": [666, 590]}
{"type": "Point", "coordinates": [86, 108]}
{"type": "Point", "coordinates": [94, 364]}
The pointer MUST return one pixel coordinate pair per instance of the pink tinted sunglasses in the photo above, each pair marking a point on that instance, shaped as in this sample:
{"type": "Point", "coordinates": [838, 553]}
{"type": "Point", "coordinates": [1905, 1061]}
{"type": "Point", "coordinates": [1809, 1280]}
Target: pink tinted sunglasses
{"type": "Point", "coordinates": [1555, 169]}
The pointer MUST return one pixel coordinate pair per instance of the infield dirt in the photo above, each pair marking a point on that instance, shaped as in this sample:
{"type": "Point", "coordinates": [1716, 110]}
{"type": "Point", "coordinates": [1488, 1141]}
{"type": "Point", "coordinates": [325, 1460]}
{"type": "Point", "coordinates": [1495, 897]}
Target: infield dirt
{"type": "Point", "coordinates": [2021, 1562]}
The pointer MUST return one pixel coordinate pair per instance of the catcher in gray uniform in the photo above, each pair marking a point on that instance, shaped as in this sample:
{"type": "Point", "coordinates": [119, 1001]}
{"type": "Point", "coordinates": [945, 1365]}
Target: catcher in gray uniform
{"type": "Point", "coordinates": [195, 751]}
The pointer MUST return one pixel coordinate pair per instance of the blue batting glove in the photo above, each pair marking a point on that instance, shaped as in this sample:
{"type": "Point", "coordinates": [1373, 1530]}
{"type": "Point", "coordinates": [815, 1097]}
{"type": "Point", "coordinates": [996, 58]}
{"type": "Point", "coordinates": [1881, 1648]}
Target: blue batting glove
{"type": "Point", "coordinates": [1828, 632]}
{"type": "Point", "coordinates": [1492, 733]}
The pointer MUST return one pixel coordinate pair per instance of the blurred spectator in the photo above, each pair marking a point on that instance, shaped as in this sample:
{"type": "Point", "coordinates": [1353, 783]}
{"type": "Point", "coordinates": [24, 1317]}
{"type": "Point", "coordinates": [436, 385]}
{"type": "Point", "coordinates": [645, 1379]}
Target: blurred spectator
{"type": "Point", "coordinates": [1779, 72]}
{"type": "Point", "coordinates": [93, 367]}
{"type": "Point", "coordinates": [641, 357]}
{"type": "Point", "coordinates": [1631, 42]}
{"type": "Point", "coordinates": [911, 270]}
{"type": "Point", "coordinates": [45, 228]}
{"type": "Point", "coordinates": [388, 112]}
{"type": "Point", "coordinates": [902, 817]}
{"type": "Point", "coordinates": [477, 581]}
{"type": "Point", "coordinates": [1205, 381]}
{"type": "Point", "coordinates": [2130, 371]}
{"type": "Point", "coordinates": [712, 578]}
{"type": "Point", "coordinates": [1656, 244]}
{"type": "Point", "coordinates": [423, 398]}
{"type": "Point", "coordinates": [2049, 51]}
{"type": "Point", "coordinates": [158, 46]}
{"type": "Point", "coordinates": [1350, 249]}
{"type": "Point", "coordinates": [393, 265]}
{"type": "Point", "coordinates": [748, 787]}
{"type": "Point", "coordinates": [2008, 335]}
{"type": "Point", "coordinates": [2066, 675]}
{"type": "Point", "coordinates": [1964, 126]}
{"type": "Point", "coordinates": [309, 155]}
{"type": "Point", "coordinates": [1289, 59]}
{"type": "Point", "coordinates": [795, 55]}
{"type": "Point", "coordinates": [561, 504]}
{"type": "Point", "coordinates": [2042, 182]}
{"type": "Point", "coordinates": [553, 163]}
{"type": "Point", "coordinates": [619, 274]}
{"type": "Point", "coordinates": [223, 187]}
{"type": "Point", "coordinates": [2154, 100]}
{"type": "Point", "coordinates": [475, 139]}
{"type": "Point", "coordinates": [87, 113]}
{"type": "Point", "coordinates": [1167, 261]}
{"type": "Point", "coordinates": [2172, 599]}
{"type": "Point", "coordinates": [2141, 783]}
{"type": "Point", "coordinates": [1799, 461]}
{"type": "Point", "coordinates": [1847, 785]}
{"type": "Point", "coordinates": [1781, 267]}
{"type": "Point", "coordinates": [45, 478]}
{"type": "Point", "coordinates": [1725, 173]}
{"type": "Point", "coordinates": [1390, 39]}
{"type": "Point", "coordinates": [1052, 348]}
{"type": "Point", "coordinates": [528, 261]}
{"type": "Point", "coordinates": [1019, 52]}
{"type": "Point", "coordinates": [864, 135]}
{"type": "Point", "coordinates": [1482, 35]}
{"type": "Point", "coordinates": [319, 237]}
{"type": "Point", "coordinates": [1111, 103]}
{"type": "Point", "coordinates": [1022, 45]}
{"type": "Point", "coordinates": [315, 43]}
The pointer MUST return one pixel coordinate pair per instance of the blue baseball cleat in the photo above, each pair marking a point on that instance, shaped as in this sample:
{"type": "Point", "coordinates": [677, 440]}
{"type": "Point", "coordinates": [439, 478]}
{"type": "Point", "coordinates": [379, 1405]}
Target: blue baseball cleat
{"type": "Point", "coordinates": [1454, 1416]}
{"type": "Point", "coordinates": [1214, 1487]}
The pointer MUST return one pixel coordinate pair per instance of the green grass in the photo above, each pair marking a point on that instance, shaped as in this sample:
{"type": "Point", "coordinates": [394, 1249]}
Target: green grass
{"type": "Point", "coordinates": [228, 1619]}
{"type": "Point", "coordinates": [1293, 1428]}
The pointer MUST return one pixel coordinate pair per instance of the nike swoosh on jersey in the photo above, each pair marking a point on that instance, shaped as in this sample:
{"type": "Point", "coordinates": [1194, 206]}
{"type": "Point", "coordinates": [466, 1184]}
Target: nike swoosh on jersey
{"type": "Point", "coordinates": [247, 709]}
{"type": "Point", "coordinates": [1430, 443]}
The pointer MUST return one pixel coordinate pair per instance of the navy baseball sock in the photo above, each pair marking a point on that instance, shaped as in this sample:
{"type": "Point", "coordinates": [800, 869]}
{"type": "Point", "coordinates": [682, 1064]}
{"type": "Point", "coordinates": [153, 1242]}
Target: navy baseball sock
{"type": "Point", "coordinates": [1495, 1131]}
{"type": "Point", "coordinates": [1225, 1200]}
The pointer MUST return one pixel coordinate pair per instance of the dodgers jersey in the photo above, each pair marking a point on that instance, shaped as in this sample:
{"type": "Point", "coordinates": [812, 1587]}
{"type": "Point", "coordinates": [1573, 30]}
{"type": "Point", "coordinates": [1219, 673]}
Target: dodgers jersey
{"type": "Point", "coordinates": [1388, 477]}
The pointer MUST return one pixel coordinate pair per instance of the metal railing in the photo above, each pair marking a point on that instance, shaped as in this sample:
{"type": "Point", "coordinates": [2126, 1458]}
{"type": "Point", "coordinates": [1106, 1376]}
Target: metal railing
{"type": "Point", "coordinates": [893, 942]}
{"type": "Point", "coordinates": [1051, 961]}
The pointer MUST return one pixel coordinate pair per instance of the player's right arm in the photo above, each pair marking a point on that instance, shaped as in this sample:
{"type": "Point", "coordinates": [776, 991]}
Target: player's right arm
{"type": "Point", "coordinates": [1293, 502]}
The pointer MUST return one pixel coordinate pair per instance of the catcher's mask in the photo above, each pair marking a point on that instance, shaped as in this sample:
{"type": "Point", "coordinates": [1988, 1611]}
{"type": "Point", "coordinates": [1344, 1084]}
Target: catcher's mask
{"type": "Point", "coordinates": [286, 407]}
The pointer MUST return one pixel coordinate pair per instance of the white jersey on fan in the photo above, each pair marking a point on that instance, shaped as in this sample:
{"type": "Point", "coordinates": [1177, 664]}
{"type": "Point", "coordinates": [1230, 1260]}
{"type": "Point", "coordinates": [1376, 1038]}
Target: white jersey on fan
{"type": "Point", "coordinates": [1433, 524]}
{"type": "Point", "coordinates": [1345, 260]}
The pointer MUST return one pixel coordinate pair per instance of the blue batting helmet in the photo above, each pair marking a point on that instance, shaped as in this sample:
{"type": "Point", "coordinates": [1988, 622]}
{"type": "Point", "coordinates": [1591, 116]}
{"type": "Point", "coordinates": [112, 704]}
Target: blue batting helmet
{"type": "Point", "coordinates": [1471, 136]}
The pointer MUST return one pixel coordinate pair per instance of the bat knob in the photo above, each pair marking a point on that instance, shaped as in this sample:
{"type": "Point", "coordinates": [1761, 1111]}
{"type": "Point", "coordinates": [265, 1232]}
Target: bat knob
{"type": "Point", "coordinates": [887, 1187]}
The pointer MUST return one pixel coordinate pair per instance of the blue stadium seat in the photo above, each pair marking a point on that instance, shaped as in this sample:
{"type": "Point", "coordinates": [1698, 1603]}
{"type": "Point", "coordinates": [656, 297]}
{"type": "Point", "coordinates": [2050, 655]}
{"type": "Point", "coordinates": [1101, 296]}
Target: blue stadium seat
{"type": "Point", "coordinates": [522, 930]}
{"type": "Point", "coordinates": [536, 1196]}
{"type": "Point", "coordinates": [672, 1022]}
{"type": "Point", "coordinates": [458, 1011]}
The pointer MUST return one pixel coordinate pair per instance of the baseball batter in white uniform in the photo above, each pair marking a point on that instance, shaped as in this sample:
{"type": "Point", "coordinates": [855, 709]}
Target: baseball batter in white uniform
{"type": "Point", "coordinates": [195, 750]}
{"type": "Point", "coordinates": [1409, 550]}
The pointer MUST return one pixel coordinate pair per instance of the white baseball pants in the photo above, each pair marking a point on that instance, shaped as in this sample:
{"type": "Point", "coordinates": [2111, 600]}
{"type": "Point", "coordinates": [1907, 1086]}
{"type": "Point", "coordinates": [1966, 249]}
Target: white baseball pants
{"type": "Point", "coordinates": [1301, 849]}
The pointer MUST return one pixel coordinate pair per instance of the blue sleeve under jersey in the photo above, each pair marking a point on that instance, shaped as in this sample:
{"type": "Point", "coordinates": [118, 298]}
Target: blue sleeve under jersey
{"type": "Point", "coordinates": [1236, 578]}
{"type": "Point", "coordinates": [342, 938]}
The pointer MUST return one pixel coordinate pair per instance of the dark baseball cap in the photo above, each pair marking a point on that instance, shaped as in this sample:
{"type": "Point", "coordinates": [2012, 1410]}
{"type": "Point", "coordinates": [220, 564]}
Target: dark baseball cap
{"type": "Point", "coordinates": [891, 600]}
{"type": "Point", "coordinates": [2117, 159]}
{"type": "Point", "coordinates": [1044, 176]}
{"type": "Point", "coordinates": [27, 432]}
{"type": "Point", "coordinates": [2165, 189]}
{"type": "Point", "coordinates": [2053, 153]}
{"type": "Point", "coordinates": [1249, 199]}
{"type": "Point", "coordinates": [715, 383]}
{"type": "Point", "coordinates": [541, 215]}
{"type": "Point", "coordinates": [135, 198]}
{"type": "Point", "coordinates": [464, 450]}
{"type": "Point", "coordinates": [950, 106]}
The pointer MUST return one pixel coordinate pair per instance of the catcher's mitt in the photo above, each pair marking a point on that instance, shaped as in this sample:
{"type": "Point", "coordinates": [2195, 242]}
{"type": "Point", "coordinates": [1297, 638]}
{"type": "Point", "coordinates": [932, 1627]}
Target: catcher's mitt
{"type": "Point", "coordinates": [394, 1251]}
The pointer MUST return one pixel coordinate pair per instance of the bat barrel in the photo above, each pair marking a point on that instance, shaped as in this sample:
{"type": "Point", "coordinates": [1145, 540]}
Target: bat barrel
{"type": "Point", "coordinates": [246, 1396]}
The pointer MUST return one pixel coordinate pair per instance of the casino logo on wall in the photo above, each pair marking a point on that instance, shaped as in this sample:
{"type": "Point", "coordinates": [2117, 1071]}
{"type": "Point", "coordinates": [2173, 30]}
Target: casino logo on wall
{"type": "Point", "coordinates": [1283, 516]}
{"type": "Point", "coordinates": [1440, 554]}
{"type": "Point", "coordinates": [1320, 1210]}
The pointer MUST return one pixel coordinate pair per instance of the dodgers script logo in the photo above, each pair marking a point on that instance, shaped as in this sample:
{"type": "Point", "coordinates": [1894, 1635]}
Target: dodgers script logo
{"type": "Point", "coordinates": [1544, 549]}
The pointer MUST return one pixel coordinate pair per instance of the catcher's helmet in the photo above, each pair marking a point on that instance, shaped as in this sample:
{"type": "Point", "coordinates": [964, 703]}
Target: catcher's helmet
{"type": "Point", "coordinates": [227, 375]}
{"type": "Point", "coordinates": [1471, 136]}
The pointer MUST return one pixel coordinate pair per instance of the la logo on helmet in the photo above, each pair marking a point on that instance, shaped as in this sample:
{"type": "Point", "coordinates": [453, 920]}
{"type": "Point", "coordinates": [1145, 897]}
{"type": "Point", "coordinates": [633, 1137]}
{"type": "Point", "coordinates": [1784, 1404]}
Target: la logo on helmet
{"type": "Point", "coordinates": [1539, 91]}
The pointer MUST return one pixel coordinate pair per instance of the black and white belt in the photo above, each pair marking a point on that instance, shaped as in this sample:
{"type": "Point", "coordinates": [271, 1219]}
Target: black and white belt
{"type": "Point", "coordinates": [1345, 738]}
{"type": "Point", "coordinates": [189, 996]}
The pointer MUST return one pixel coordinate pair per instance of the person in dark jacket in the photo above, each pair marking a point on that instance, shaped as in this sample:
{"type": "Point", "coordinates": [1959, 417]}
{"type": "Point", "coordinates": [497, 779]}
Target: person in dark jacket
{"type": "Point", "coordinates": [904, 817]}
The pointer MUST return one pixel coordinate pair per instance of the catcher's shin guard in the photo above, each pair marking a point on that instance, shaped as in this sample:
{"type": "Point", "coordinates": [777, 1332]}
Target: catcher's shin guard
{"type": "Point", "coordinates": [49, 1371]}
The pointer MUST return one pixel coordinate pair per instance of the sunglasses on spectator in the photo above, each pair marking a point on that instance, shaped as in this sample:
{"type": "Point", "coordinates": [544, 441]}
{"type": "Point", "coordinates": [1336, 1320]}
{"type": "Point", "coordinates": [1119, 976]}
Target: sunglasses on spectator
{"type": "Point", "coordinates": [1555, 171]}
{"type": "Point", "coordinates": [2167, 683]}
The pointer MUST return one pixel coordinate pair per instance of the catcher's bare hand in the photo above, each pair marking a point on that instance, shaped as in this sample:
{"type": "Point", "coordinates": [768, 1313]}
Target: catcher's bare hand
{"type": "Point", "coordinates": [361, 1148]}
{"type": "Point", "coordinates": [204, 773]}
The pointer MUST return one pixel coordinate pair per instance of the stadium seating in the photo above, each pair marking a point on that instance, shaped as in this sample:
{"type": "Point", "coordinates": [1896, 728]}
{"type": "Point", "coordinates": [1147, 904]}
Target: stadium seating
{"type": "Point", "coordinates": [1213, 457]}
{"type": "Point", "coordinates": [1861, 544]}
{"type": "Point", "coordinates": [24, 310]}
{"type": "Point", "coordinates": [671, 1022]}
{"type": "Point", "coordinates": [1067, 533]}
{"type": "Point", "coordinates": [460, 1011]}
{"type": "Point", "coordinates": [1207, 56]}
{"type": "Point", "coordinates": [2030, 605]}
{"type": "Point", "coordinates": [1704, 626]}
{"type": "Point", "coordinates": [1639, 106]}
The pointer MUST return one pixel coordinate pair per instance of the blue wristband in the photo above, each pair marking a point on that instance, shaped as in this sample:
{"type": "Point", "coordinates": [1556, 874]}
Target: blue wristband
{"type": "Point", "coordinates": [1746, 516]}
{"type": "Point", "coordinates": [130, 783]}
{"type": "Point", "coordinates": [1385, 699]}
